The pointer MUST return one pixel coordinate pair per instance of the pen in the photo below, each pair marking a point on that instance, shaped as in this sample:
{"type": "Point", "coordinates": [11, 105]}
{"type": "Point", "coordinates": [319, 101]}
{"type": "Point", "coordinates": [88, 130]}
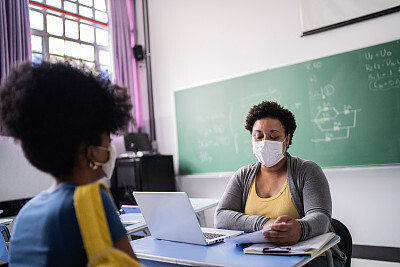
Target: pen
{"type": "Point", "coordinates": [276, 250]}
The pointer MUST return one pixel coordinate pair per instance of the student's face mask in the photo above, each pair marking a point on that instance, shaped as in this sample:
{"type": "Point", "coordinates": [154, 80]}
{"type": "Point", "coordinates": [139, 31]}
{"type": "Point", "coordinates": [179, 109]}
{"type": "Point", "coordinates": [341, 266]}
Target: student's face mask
{"type": "Point", "coordinates": [268, 152]}
{"type": "Point", "coordinates": [108, 167]}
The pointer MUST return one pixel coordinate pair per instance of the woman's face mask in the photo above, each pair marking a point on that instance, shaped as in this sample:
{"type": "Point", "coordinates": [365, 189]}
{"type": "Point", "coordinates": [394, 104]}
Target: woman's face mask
{"type": "Point", "coordinates": [268, 152]}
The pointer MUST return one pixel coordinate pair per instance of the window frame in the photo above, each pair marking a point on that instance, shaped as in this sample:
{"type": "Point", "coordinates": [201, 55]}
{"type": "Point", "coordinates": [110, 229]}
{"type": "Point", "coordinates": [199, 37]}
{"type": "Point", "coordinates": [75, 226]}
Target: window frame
{"type": "Point", "coordinates": [45, 9]}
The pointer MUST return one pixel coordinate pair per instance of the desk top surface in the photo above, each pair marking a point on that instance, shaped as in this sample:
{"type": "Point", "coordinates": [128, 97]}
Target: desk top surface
{"type": "Point", "coordinates": [220, 254]}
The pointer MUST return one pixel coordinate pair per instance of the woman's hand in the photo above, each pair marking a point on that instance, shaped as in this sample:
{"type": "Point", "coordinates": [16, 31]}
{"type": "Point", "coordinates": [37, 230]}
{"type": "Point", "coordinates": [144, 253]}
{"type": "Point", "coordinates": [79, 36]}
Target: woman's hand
{"type": "Point", "coordinates": [285, 231]}
{"type": "Point", "coordinates": [268, 223]}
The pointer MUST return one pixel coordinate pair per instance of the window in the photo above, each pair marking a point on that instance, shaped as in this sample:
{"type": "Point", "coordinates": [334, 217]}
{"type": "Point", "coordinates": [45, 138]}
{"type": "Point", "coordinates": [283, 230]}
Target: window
{"type": "Point", "coordinates": [76, 30]}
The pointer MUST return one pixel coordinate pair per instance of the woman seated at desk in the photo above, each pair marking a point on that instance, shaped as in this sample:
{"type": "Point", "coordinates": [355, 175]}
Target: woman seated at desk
{"type": "Point", "coordinates": [288, 194]}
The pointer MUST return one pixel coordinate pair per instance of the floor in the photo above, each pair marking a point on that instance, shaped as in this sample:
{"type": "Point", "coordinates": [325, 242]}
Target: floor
{"type": "Point", "coordinates": [371, 263]}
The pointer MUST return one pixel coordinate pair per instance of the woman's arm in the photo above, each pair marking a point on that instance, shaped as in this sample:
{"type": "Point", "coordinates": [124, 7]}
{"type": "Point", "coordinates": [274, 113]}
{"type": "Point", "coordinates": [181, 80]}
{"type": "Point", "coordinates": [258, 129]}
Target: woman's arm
{"type": "Point", "coordinates": [317, 201]}
{"type": "Point", "coordinates": [229, 213]}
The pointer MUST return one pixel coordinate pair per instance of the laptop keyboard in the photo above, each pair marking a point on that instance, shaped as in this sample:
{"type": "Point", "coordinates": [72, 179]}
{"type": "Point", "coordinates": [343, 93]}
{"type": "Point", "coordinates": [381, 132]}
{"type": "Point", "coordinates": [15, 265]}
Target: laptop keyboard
{"type": "Point", "coordinates": [211, 235]}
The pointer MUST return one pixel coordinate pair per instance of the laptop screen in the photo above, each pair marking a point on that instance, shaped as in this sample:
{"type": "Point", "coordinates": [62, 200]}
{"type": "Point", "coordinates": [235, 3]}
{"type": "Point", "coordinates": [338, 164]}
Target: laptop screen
{"type": "Point", "coordinates": [137, 142]}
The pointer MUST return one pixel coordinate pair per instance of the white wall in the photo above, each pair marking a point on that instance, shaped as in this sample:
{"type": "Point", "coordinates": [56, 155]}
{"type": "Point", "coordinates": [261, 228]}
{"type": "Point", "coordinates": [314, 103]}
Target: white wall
{"type": "Point", "coordinates": [199, 41]}
{"type": "Point", "coordinates": [18, 179]}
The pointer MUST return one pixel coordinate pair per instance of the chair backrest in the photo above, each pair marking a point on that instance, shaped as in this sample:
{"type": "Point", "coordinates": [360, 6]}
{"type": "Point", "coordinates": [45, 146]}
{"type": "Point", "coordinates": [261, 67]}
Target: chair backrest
{"type": "Point", "coordinates": [4, 237]}
{"type": "Point", "coordinates": [346, 242]}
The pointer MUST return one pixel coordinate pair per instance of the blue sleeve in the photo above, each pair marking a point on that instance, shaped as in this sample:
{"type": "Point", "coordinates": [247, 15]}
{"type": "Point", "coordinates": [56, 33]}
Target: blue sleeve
{"type": "Point", "coordinates": [114, 223]}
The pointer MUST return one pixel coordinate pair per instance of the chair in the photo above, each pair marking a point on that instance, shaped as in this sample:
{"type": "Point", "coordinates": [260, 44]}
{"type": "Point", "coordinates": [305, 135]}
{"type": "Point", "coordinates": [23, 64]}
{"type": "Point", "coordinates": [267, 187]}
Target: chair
{"type": "Point", "coordinates": [346, 242]}
{"type": "Point", "coordinates": [4, 237]}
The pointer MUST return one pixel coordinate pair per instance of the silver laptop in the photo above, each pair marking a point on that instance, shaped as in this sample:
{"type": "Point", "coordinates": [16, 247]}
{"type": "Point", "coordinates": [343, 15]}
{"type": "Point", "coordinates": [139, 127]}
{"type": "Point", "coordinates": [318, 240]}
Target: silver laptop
{"type": "Point", "coordinates": [170, 216]}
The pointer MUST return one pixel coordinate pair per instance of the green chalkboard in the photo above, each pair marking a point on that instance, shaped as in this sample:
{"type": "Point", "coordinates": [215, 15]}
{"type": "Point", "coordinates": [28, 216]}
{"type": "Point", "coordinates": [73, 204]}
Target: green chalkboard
{"type": "Point", "coordinates": [347, 109]}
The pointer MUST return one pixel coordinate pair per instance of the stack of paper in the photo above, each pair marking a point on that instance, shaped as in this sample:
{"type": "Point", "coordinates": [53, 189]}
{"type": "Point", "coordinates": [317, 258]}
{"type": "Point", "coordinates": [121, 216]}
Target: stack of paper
{"type": "Point", "coordinates": [252, 238]}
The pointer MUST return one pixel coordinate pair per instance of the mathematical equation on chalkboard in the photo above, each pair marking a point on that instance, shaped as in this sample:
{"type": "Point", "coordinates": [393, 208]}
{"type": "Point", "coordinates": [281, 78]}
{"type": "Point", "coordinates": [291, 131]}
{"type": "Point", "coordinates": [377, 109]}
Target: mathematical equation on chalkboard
{"type": "Point", "coordinates": [383, 70]}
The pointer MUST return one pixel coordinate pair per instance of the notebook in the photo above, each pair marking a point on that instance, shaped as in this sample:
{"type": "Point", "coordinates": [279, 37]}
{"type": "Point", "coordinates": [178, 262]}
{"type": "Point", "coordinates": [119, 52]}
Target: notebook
{"type": "Point", "coordinates": [170, 216]}
{"type": "Point", "coordinates": [311, 246]}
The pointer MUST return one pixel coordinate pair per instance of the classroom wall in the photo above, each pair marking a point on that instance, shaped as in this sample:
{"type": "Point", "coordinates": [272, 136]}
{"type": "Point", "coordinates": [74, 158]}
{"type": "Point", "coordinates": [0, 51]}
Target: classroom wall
{"type": "Point", "coordinates": [202, 41]}
{"type": "Point", "coordinates": [18, 178]}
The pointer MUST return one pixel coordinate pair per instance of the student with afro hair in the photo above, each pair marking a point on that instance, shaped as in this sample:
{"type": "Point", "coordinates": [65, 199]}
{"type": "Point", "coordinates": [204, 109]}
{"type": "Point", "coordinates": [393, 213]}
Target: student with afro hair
{"type": "Point", "coordinates": [63, 117]}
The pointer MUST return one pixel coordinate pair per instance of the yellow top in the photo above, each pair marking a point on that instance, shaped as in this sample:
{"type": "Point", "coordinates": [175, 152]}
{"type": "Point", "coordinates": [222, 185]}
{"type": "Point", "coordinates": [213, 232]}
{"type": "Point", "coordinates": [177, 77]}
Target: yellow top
{"type": "Point", "coordinates": [272, 207]}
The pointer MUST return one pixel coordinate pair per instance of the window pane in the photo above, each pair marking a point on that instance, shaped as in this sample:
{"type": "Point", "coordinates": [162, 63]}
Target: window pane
{"type": "Point", "coordinates": [54, 59]}
{"type": "Point", "coordinates": [71, 7]}
{"type": "Point", "coordinates": [101, 37]}
{"type": "Point", "coordinates": [87, 52]}
{"type": "Point", "coordinates": [72, 49]}
{"type": "Point", "coordinates": [101, 16]}
{"type": "Point", "coordinates": [37, 43]}
{"type": "Point", "coordinates": [37, 58]}
{"type": "Point", "coordinates": [106, 70]}
{"type": "Point", "coordinates": [104, 57]}
{"type": "Point", "coordinates": [100, 5]}
{"type": "Point", "coordinates": [56, 46]}
{"type": "Point", "coordinates": [74, 62]}
{"type": "Point", "coordinates": [86, 2]}
{"type": "Point", "coordinates": [85, 11]}
{"type": "Point", "coordinates": [91, 65]}
{"type": "Point", "coordinates": [55, 3]}
{"type": "Point", "coordinates": [55, 25]}
{"type": "Point", "coordinates": [69, 37]}
{"type": "Point", "coordinates": [87, 33]}
{"type": "Point", "coordinates": [36, 20]}
{"type": "Point", "coordinates": [71, 29]}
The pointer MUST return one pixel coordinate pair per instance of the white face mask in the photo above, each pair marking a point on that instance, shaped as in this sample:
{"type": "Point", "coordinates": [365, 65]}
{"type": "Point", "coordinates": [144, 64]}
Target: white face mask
{"type": "Point", "coordinates": [269, 153]}
{"type": "Point", "coordinates": [108, 167]}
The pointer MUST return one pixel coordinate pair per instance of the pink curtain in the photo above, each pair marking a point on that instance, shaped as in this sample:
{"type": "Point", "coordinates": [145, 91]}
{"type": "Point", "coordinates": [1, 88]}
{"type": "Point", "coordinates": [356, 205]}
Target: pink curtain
{"type": "Point", "coordinates": [122, 30]}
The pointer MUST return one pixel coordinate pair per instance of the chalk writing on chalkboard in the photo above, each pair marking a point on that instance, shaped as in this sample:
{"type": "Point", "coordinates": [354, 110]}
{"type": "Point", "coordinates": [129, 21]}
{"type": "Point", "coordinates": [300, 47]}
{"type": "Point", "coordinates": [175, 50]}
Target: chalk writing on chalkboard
{"type": "Point", "coordinates": [383, 70]}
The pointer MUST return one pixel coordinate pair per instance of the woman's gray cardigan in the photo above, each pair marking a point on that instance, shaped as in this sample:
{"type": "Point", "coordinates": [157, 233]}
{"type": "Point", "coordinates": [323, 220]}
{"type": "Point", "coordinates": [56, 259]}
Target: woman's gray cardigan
{"type": "Point", "coordinates": [308, 188]}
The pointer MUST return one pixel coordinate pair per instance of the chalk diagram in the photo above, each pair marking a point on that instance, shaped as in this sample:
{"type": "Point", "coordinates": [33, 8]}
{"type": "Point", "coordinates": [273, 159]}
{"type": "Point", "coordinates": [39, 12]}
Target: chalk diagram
{"type": "Point", "coordinates": [332, 122]}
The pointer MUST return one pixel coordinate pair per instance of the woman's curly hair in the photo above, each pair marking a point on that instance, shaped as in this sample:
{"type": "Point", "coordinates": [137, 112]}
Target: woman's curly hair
{"type": "Point", "coordinates": [270, 109]}
{"type": "Point", "coordinates": [53, 107]}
